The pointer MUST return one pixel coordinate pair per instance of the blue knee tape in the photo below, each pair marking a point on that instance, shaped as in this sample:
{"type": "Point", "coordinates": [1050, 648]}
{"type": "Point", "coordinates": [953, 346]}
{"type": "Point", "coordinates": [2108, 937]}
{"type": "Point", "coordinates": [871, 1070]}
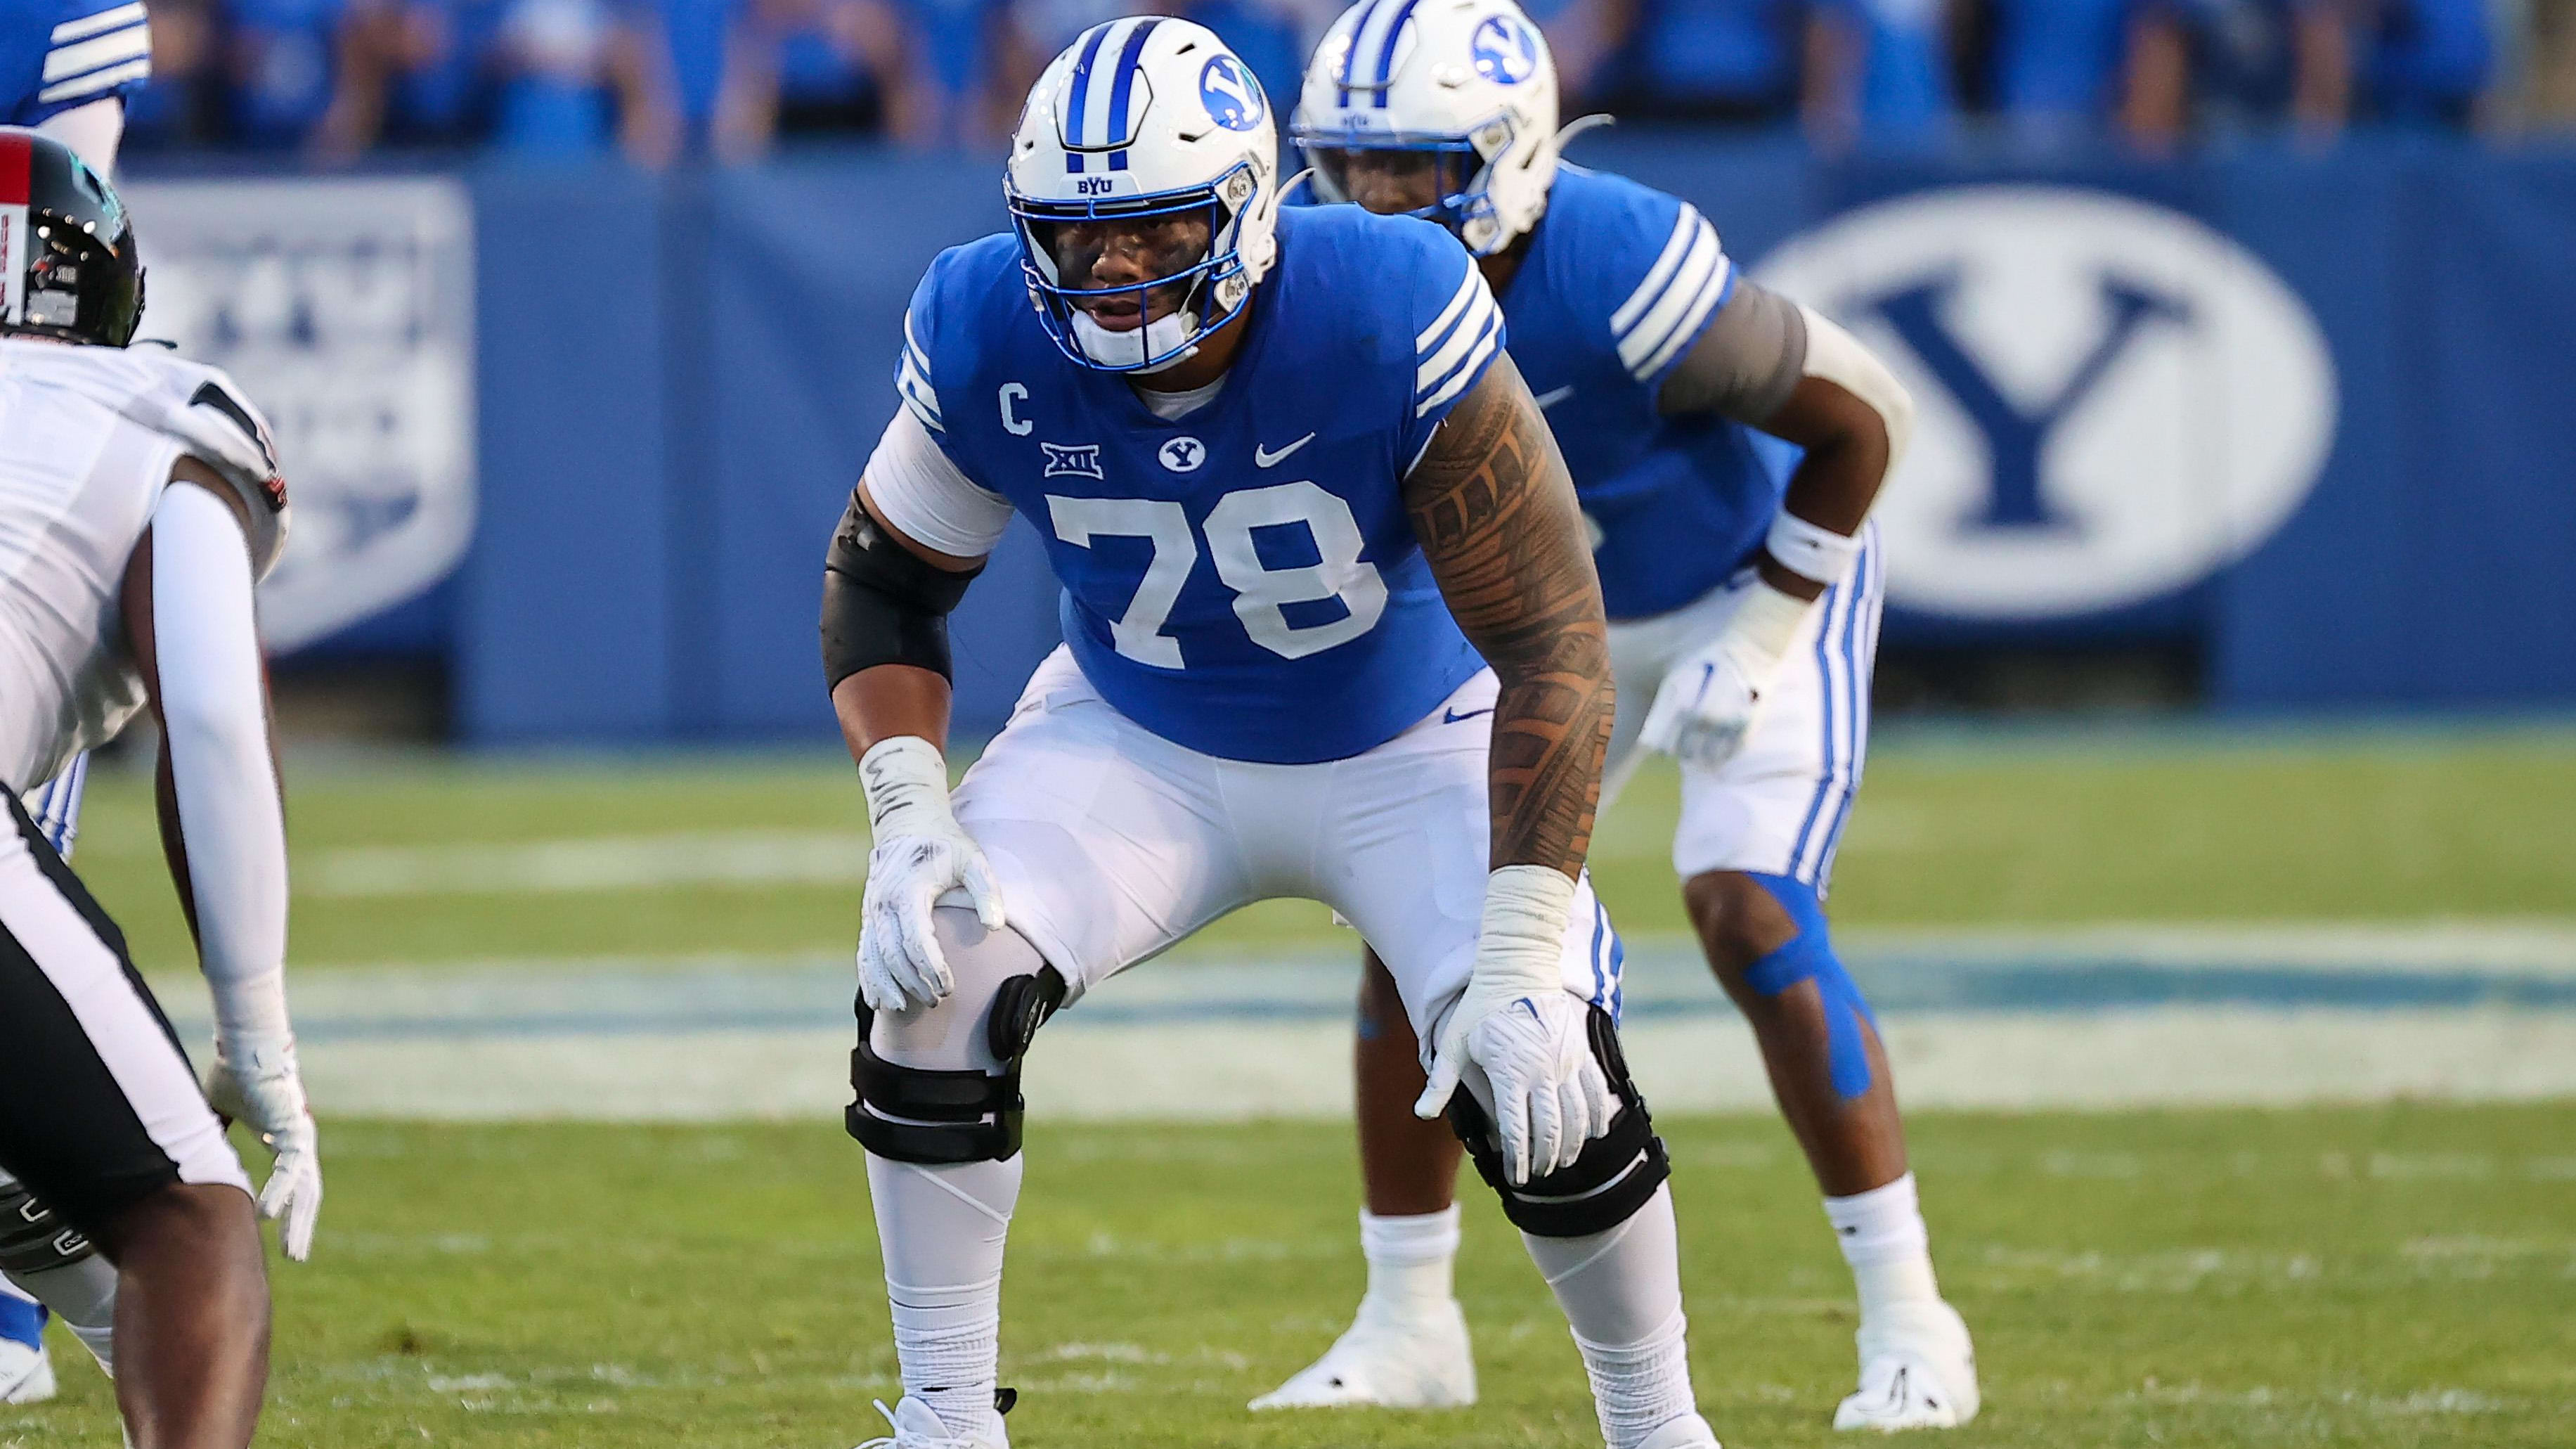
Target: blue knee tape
{"type": "Point", "coordinates": [22, 1321]}
{"type": "Point", "coordinates": [1809, 956]}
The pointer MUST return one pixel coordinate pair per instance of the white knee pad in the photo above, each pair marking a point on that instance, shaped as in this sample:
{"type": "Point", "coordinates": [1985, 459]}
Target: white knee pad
{"type": "Point", "coordinates": [942, 1084]}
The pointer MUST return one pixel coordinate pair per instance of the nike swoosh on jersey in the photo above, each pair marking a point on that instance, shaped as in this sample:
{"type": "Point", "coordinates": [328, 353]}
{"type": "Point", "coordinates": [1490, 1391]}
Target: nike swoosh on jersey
{"type": "Point", "coordinates": [1262, 457]}
{"type": "Point", "coordinates": [1553, 396]}
{"type": "Point", "coordinates": [1453, 717]}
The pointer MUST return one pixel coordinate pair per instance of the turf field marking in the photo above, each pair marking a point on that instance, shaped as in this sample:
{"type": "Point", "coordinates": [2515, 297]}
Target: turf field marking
{"type": "Point", "coordinates": [587, 864]}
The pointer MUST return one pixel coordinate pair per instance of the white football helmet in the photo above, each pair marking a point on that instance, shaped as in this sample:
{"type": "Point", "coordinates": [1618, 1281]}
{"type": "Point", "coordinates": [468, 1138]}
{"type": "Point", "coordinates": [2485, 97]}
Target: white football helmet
{"type": "Point", "coordinates": [1146, 116]}
{"type": "Point", "coordinates": [1470, 80]}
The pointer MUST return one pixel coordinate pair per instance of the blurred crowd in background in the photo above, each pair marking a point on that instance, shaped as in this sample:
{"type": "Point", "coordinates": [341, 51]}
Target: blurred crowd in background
{"type": "Point", "coordinates": [332, 81]}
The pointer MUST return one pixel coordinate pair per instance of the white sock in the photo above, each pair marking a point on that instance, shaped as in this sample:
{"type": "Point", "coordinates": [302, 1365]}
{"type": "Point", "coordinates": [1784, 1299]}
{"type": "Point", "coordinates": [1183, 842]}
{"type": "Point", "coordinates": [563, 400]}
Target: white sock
{"type": "Point", "coordinates": [83, 1296]}
{"type": "Point", "coordinates": [1890, 1251]}
{"type": "Point", "coordinates": [1640, 1387]}
{"type": "Point", "coordinates": [1622, 1295]}
{"type": "Point", "coordinates": [942, 1231]}
{"type": "Point", "coordinates": [1412, 1262]}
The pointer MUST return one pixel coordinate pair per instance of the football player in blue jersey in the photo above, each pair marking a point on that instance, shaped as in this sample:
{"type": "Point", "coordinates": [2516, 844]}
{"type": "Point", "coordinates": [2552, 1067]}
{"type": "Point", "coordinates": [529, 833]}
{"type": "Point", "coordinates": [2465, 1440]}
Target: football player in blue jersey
{"type": "Point", "coordinates": [1299, 498]}
{"type": "Point", "coordinates": [1726, 445]}
{"type": "Point", "coordinates": [66, 67]}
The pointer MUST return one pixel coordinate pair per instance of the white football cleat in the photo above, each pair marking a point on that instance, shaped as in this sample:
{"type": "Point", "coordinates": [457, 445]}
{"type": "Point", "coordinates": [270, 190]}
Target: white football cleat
{"type": "Point", "coordinates": [916, 1427]}
{"type": "Point", "coordinates": [26, 1373]}
{"type": "Point", "coordinates": [1917, 1371]}
{"type": "Point", "coordinates": [1417, 1363]}
{"type": "Point", "coordinates": [1688, 1432]}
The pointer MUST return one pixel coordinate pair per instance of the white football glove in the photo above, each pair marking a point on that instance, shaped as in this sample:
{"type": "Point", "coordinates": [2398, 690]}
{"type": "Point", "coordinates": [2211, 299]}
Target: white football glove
{"type": "Point", "coordinates": [1518, 1025]}
{"type": "Point", "coordinates": [1709, 699]}
{"type": "Point", "coordinates": [256, 1083]}
{"type": "Point", "coordinates": [921, 853]}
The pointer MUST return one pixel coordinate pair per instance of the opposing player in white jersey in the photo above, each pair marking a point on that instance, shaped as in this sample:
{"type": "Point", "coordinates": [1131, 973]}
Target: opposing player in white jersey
{"type": "Point", "coordinates": [65, 68]}
{"type": "Point", "coordinates": [1727, 445]}
{"type": "Point", "coordinates": [1293, 487]}
{"type": "Point", "coordinates": [139, 500]}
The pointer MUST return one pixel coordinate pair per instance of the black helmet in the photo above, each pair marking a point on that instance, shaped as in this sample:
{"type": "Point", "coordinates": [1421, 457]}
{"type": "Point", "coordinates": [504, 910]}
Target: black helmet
{"type": "Point", "coordinates": [68, 267]}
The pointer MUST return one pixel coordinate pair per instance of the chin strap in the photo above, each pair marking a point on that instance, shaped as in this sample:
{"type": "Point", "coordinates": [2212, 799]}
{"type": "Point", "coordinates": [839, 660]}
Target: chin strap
{"type": "Point", "coordinates": [1577, 127]}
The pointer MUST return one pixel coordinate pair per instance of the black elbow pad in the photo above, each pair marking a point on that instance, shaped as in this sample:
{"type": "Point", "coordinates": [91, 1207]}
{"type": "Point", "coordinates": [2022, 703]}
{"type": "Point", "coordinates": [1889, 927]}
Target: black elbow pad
{"type": "Point", "coordinates": [882, 603]}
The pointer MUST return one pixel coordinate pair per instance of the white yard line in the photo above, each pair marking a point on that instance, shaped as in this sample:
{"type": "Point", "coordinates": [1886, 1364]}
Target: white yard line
{"type": "Point", "coordinates": [600, 863]}
{"type": "Point", "coordinates": [1233, 1070]}
{"type": "Point", "coordinates": [2098, 1018]}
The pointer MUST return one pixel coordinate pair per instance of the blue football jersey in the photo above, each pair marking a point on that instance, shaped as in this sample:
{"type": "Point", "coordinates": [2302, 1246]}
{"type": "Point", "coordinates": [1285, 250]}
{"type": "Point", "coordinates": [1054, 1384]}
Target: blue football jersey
{"type": "Point", "coordinates": [57, 55]}
{"type": "Point", "coordinates": [1243, 580]}
{"type": "Point", "coordinates": [1619, 281]}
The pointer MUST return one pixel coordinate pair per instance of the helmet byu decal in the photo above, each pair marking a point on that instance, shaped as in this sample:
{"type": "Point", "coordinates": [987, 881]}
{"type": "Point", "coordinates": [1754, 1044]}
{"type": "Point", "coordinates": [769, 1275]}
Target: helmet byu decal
{"type": "Point", "coordinates": [1505, 50]}
{"type": "Point", "coordinates": [1232, 97]}
{"type": "Point", "coordinates": [2114, 401]}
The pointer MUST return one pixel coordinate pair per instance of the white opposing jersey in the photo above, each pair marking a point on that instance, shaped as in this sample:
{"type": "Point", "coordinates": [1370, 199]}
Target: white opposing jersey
{"type": "Point", "coordinates": [88, 436]}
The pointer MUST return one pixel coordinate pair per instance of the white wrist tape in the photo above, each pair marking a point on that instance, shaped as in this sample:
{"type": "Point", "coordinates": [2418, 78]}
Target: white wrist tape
{"type": "Point", "coordinates": [1764, 627]}
{"type": "Point", "coordinates": [1811, 551]}
{"type": "Point", "coordinates": [906, 779]}
{"type": "Point", "coordinates": [1522, 938]}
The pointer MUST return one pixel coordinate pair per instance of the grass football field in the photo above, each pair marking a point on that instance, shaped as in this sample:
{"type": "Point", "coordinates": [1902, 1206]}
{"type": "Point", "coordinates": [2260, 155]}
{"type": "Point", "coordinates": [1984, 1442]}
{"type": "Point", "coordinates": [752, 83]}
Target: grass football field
{"type": "Point", "coordinates": [2393, 1275]}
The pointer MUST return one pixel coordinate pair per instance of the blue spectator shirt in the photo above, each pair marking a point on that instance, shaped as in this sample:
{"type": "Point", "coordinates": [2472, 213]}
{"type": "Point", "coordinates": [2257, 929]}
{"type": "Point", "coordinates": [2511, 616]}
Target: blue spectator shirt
{"type": "Point", "coordinates": [1733, 52]}
{"type": "Point", "coordinates": [1242, 580]}
{"type": "Point", "coordinates": [59, 55]}
{"type": "Point", "coordinates": [285, 84]}
{"type": "Point", "coordinates": [2060, 58]}
{"type": "Point", "coordinates": [1905, 92]}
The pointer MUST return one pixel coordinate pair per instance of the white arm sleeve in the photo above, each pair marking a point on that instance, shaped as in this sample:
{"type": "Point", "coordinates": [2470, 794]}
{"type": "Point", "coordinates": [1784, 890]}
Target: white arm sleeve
{"type": "Point", "coordinates": [1837, 357]}
{"type": "Point", "coordinates": [927, 498]}
{"type": "Point", "coordinates": [92, 131]}
{"type": "Point", "coordinates": [212, 704]}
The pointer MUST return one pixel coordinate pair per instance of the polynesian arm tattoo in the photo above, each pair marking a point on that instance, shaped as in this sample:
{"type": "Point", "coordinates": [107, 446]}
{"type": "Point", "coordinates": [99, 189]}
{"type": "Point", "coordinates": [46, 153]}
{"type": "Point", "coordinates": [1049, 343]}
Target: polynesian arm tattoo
{"type": "Point", "coordinates": [1495, 511]}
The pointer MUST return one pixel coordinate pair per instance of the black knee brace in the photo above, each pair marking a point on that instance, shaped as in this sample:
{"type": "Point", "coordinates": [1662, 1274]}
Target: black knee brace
{"type": "Point", "coordinates": [1599, 1190]}
{"type": "Point", "coordinates": [915, 1114]}
{"type": "Point", "coordinates": [32, 1239]}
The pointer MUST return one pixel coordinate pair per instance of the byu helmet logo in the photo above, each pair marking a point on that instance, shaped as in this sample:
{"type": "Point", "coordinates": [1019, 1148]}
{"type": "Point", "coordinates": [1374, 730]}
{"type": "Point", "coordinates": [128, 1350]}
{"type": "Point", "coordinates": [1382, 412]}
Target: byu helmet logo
{"type": "Point", "coordinates": [1183, 455]}
{"type": "Point", "coordinates": [1231, 95]}
{"type": "Point", "coordinates": [2115, 401]}
{"type": "Point", "coordinates": [1505, 51]}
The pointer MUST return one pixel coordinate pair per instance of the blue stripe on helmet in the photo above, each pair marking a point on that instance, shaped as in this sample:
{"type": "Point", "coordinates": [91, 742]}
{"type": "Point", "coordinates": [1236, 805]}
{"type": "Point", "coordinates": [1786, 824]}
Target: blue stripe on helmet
{"type": "Point", "coordinates": [1081, 88]}
{"type": "Point", "coordinates": [1351, 52]}
{"type": "Point", "coordinates": [1386, 50]}
{"type": "Point", "coordinates": [1124, 85]}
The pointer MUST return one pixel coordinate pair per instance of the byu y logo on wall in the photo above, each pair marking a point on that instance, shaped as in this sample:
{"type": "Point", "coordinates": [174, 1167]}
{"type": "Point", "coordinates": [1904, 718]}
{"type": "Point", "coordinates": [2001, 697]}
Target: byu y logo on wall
{"type": "Point", "coordinates": [345, 309]}
{"type": "Point", "coordinates": [2113, 400]}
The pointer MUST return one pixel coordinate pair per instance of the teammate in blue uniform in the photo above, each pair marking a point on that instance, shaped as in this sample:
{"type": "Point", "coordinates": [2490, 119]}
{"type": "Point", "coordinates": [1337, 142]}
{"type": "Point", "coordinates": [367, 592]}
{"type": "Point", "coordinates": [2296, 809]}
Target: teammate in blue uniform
{"type": "Point", "coordinates": [1298, 498]}
{"type": "Point", "coordinates": [1726, 445]}
{"type": "Point", "coordinates": [66, 67]}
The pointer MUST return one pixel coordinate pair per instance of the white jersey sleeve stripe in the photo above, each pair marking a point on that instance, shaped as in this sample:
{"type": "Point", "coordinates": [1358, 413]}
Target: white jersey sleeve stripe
{"type": "Point", "coordinates": [1468, 286]}
{"type": "Point", "coordinates": [1659, 274]}
{"type": "Point", "coordinates": [133, 42]}
{"type": "Point", "coordinates": [1444, 355]}
{"type": "Point", "coordinates": [1700, 277]}
{"type": "Point", "coordinates": [912, 379]}
{"type": "Point", "coordinates": [97, 82]}
{"type": "Point", "coordinates": [89, 25]}
{"type": "Point", "coordinates": [922, 493]}
{"type": "Point", "coordinates": [1687, 329]}
{"type": "Point", "coordinates": [1455, 346]}
{"type": "Point", "coordinates": [1467, 371]}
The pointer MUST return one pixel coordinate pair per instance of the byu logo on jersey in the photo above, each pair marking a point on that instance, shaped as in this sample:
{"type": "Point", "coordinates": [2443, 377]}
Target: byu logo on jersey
{"type": "Point", "coordinates": [1080, 459]}
{"type": "Point", "coordinates": [2115, 401]}
{"type": "Point", "coordinates": [1506, 52]}
{"type": "Point", "coordinates": [1231, 95]}
{"type": "Point", "coordinates": [1183, 455]}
